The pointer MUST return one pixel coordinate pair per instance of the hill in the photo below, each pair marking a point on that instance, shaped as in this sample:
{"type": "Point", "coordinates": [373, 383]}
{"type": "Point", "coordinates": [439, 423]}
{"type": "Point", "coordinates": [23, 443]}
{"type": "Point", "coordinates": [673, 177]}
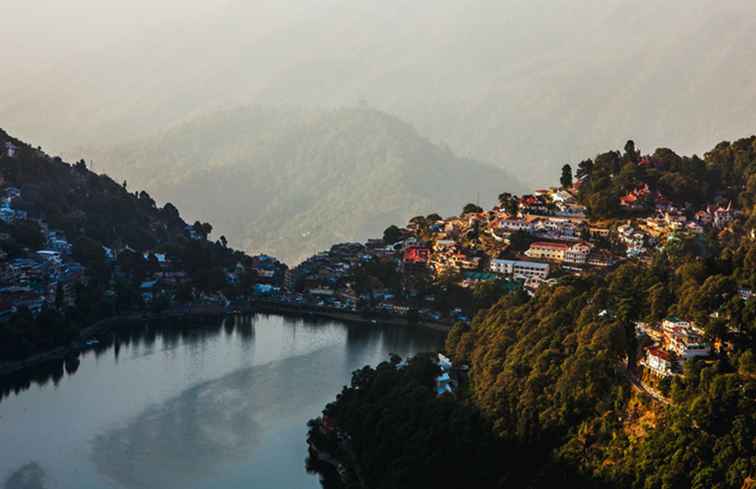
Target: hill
{"type": "Point", "coordinates": [81, 203]}
{"type": "Point", "coordinates": [76, 247]}
{"type": "Point", "coordinates": [291, 182]}
{"type": "Point", "coordinates": [638, 373]}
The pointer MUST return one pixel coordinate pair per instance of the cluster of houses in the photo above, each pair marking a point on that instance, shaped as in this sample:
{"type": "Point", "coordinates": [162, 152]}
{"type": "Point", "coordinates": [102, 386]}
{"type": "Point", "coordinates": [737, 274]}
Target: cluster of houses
{"type": "Point", "coordinates": [560, 234]}
{"type": "Point", "coordinates": [8, 214]}
{"type": "Point", "coordinates": [324, 278]}
{"type": "Point", "coordinates": [35, 279]}
{"type": "Point", "coordinates": [164, 282]}
{"type": "Point", "coordinates": [667, 219]}
{"type": "Point", "coordinates": [526, 242]}
{"type": "Point", "coordinates": [672, 341]}
{"type": "Point", "coordinates": [327, 279]}
{"type": "Point", "coordinates": [487, 245]}
{"type": "Point", "coordinates": [47, 276]}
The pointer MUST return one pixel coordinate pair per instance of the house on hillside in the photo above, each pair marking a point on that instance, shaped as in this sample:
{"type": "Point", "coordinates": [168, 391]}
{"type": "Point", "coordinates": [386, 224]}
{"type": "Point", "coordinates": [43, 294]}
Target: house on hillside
{"type": "Point", "coordinates": [444, 382]}
{"type": "Point", "coordinates": [7, 215]}
{"type": "Point", "coordinates": [672, 322]}
{"type": "Point", "coordinates": [512, 224]}
{"type": "Point", "coordinates": [635, 198]}
{"type": "Point", "coordinates": [520, 268]}
{"type": "Point", "coordinates": [601, 258]}
{"type": "Point", "coordinates": [600, 232]}
{"type": "Point", "coordinates": [547, 251]}
{"type": "Point", "coordinates": [722, 216]}
{"type": "Point", "coordinates": [687, 344]}
{"type": "Point", "coordinates": [684, 338]}
{"type": "Point", "coordinates": [10, 149]}
{"type": "Point", "coordinates": [416, 256]}
{"type": "Point", "coordinates": [658, 361]}
{"type": "Point", "coordinates": [574, 211]}
{"type": "Point", "coordinates": [149, 290]}
{"type": "Point", "coordinates": [192, 233]}
{"type": "Point", "coordinates": [563, 197]}
{"type": "Point", "coordinates": [578, 253]}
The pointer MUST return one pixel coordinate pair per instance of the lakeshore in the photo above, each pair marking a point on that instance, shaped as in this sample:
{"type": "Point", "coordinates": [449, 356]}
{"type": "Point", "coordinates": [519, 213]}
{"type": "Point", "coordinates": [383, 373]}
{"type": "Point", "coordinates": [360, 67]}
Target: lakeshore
{"type": "Point", "coordinates": [345, 316]}
{"type": "Point", "coordinates": [205, 313]}
{"type": "Point", "coordinates": [104, 326]}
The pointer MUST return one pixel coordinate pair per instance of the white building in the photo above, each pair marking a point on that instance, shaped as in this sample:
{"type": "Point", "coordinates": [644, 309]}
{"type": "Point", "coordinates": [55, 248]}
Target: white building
{"type": "Point", "coordinates": [547, 251]}
{"type": "Point", "coordinates": [10, 149]}
{"type": "Point", "coordinates": [687, 345]}
{"type": "Point", "coordinates": [670, 323]}
{"type": "Point", "coordinates": [578, 253]}
{"type": "Point", "coordinates": [659, 361]}
{"type": "Point", "coordinates": [511, 224]}
{"type": "Point", "coordinates": [684, 338]}
{"type": "Point", "coordinates": [520, 268]}
{"type": "Point", "coordinates": [50, 255]}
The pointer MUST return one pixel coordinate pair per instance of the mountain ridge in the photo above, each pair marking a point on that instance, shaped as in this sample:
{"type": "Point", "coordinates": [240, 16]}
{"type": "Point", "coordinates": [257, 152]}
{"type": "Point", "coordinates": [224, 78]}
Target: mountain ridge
{"type": "Point", "coordinates": [281, 180]}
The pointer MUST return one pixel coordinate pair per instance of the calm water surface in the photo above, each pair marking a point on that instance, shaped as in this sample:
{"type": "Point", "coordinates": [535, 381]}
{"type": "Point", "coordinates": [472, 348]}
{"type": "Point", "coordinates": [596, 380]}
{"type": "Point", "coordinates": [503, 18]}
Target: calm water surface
{"type": "Point", "coordinates": [188, 407]}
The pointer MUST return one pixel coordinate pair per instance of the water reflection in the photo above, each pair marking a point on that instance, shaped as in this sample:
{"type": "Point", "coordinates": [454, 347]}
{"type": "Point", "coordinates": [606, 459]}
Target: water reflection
{"type": "Point", "coordinates": [186, 405]}
{"type": "Point", "coordinates": [41, 375]}
{"type": "Point", "coordinates": [28, 476]}
{"type": "Point", "coordinates": [142, 336]}
{"type": "Point", "coordinates": [183, 439]}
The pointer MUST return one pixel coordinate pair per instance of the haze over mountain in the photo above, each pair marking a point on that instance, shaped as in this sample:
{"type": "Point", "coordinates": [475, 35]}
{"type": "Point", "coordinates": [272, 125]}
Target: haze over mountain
{"type": "Point", "coordinates": [523, 84]}
{"type": "Point", "coordinates": [292, 182]}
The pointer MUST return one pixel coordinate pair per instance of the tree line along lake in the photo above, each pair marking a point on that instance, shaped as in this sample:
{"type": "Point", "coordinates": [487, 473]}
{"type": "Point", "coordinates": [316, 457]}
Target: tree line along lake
{"type": "Point", "coordinates": [179, 405]}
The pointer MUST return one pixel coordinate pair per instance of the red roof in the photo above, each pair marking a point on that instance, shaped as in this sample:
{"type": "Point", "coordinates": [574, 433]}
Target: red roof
{"type": "Point", "coordinates": [636, 194]}
{"type": "Point", "coordinates": [416, 254]}
{"type": "Point", "coordinates": [659, 353]}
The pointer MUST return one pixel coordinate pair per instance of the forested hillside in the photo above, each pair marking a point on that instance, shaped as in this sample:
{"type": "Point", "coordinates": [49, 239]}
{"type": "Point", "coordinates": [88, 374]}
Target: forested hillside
{"type": "Point", "coordinates": [82, 203]}
{"type": "Point", "coordinates": [290, 183]}
{"type": "Point", "coordinates": [724, 174]}
{"type": "Point", "coordinates": [77, 247]}
{"type": "Point", "coordinates": [559, 380]}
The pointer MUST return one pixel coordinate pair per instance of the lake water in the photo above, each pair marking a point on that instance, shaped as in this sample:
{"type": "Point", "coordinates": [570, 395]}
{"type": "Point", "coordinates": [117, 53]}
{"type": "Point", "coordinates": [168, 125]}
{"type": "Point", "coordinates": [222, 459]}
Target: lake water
{"type": "Point", "coordinates": [187, 407]}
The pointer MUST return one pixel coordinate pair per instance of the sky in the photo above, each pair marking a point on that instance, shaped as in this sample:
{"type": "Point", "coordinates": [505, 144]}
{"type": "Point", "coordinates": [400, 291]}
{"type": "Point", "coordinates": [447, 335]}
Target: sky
{"type": "Point", "coordinates": [515, 83]}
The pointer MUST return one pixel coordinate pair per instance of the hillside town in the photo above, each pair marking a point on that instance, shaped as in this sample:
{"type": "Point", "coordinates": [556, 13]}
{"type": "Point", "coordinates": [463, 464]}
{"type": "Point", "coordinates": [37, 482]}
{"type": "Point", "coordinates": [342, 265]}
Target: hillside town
{"type": "Point", "coordinates": [522, 243]}
{"type": "Point", "coordinates": [434, 270]}
{"type": "Point", "coordinates": [44, 276]}
{"type": "Point", "coordinates": [65, 263]}
{"type": "Point", "coordinates": [670, 343]}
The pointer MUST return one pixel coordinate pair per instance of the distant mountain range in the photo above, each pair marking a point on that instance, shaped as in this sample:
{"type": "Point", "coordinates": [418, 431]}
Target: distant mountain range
{"type": "Point", "coordinates": [291, 182]}
{"type": "Point", "coordinates": [527, 85]}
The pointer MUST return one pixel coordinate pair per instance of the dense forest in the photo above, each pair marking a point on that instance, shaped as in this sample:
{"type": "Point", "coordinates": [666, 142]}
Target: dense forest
{"type": "Point", "coordinates": [724, 174]}
{"type": "Point", "coordinates": [553, 392]}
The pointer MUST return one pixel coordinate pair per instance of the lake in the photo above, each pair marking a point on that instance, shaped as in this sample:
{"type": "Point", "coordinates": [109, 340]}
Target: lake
{"type": "Point", "coordinates": [178, 406]}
